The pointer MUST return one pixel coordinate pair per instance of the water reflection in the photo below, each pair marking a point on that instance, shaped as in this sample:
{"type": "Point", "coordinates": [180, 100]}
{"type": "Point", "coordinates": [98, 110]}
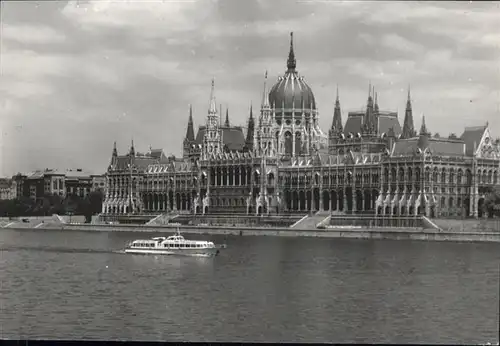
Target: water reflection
{"type": "Point", "coordinates": [169, 260]}
{"type": "Point", "coordinates": [258, 289]}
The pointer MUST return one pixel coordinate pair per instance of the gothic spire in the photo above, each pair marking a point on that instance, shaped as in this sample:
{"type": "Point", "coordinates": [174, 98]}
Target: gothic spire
{"type": "Point", "coordinates": [190, 127]}
{"type": "Point", "coordinates": [213, 105]}
{"type": "Point", "coordinates": [115, 152]}
{"type": "Point", "coordinates": [226, 123]}
{"type": "Point", "coordinates": [337, 115]}
{"type": "Point", "coordinates": [408, 101]}
{"type": "Point", "coordinates": [376, 103]}
{"type": "Point", "coordinates": [132, 149]}
{"type": "Point", "coordinates": [370, 95]}
{"type": "Point", "coordinates": [265, 96]}
{"type": "Point", "coordinates": [291, 62]}
{"type": "Point", "coordinates": [423, 139]}
{"type": "Point", "coordinates": [250, 131]}
{"type": "Point", "coordinates": [423, 127]}
{"type": "Point", "coordinates": [408, 125]}
{"type": "Point", "coordinates": [369, 122]}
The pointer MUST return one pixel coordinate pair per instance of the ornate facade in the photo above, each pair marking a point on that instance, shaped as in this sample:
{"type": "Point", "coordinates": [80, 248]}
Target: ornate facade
{"type": "Point", "coordinates": [286, 164]}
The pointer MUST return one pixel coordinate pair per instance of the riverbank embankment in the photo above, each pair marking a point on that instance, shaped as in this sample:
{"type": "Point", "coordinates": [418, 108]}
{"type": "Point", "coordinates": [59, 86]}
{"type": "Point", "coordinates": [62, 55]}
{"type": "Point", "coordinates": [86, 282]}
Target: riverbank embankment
{"type": "Point", "coordinates": [353, 233]}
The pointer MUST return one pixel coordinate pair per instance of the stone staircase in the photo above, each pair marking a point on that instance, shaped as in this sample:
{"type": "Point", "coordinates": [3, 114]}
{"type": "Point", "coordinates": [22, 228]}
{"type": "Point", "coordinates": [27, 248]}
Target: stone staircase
{"type": "Point", "coordinates": [162, 219]}
{"type": "Point", "coordinates": [312, 221]}
{"type": "Point", "coordinates": [429, 224]}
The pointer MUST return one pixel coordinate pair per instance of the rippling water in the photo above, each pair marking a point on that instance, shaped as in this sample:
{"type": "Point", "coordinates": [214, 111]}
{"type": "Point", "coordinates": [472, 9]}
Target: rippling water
{"type": "Point", "coordinates": [77, 285]}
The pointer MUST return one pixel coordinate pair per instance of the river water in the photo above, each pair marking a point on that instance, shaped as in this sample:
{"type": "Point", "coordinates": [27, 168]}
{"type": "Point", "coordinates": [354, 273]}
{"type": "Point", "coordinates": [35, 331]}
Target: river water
{"type": "Point", "coordinates": [77, 285]}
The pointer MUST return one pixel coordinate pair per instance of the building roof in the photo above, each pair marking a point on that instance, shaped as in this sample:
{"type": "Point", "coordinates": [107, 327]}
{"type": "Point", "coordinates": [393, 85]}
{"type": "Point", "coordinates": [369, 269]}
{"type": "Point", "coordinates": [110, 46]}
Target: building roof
{"type": "Point", "coordinates": [389, 121]}
{"type": "Point", "coordinates": [233, 137]}
{"type": "Point", "coordinates": [472, 137]}
{"type": "Point", "coordinates": [385, 121]}
{"type": "Point", "coordinates": [353, 123]}
{"type": "Point", "coordinates": [35, 175]}
{"type": "Point", "coordinates": [157, 154]}
{"type": "Point", "coordinates": [77, 173]}
{"type": "Point", "coordinates": [436, 146]}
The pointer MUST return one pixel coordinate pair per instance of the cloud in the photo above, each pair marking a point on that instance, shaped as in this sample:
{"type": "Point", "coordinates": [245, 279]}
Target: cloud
{"type": "Point", "coordinates": [31, 34]}
{"type": "Point", "coordinates": [76, 76]}
{"type": "Point", "coordinates": [156, 18]}
{"type": "Point", "coordinates": [397, 42]}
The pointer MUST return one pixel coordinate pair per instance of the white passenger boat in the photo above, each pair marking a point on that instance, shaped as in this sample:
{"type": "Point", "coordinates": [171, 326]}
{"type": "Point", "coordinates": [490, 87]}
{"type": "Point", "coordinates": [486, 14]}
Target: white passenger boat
{"type": "Point", "coordinates": [173, 245]}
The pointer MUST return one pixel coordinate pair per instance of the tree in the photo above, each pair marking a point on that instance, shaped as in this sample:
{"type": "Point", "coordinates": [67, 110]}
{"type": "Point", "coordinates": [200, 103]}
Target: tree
{"type": "Point", "coordinates": [492, 201]}
{"type": "Point", "coordinates": [452, 136]}
{"type": "Point", "coordinates": [93, 204]}
{"type": "Point", "coordinates": [436, 135]}
{"type": "Point", "coordinates": [56, 204]}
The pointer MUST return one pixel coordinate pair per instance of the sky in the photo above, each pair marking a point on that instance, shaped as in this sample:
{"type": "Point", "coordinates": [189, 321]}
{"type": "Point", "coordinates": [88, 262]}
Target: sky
{"type": "Point", "coordinates": [76, 76]}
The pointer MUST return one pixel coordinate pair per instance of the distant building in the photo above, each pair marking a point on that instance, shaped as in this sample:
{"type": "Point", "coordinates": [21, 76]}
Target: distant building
{"type": "Point", "coordinates": [72, 182]}
{"type": "Point", "coordinates": [78, 182]}
{"type": "Point", "coordinates": [125, 180]}
{"type": "Point", "coordinates": [7, 189]}
{"type": "Point", "coordinates": [287, 164]}
{"type": "Point", "coordinates": [54, 183]}
{"type": "Point", "coordinates": [21, 187]}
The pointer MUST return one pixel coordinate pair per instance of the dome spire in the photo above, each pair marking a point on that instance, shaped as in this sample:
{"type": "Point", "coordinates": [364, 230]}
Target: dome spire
{"type": "Point", "coordinates": [291, 62]}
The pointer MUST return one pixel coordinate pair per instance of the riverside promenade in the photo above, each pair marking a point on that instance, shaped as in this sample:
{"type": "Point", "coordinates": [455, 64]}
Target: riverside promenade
{"type": "Point", "coordinates": [468, 234]}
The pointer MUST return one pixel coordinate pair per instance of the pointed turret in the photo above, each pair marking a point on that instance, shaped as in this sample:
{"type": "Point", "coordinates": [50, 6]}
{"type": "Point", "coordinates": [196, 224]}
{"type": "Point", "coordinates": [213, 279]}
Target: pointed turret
{"type": "Point", "coordinates": [212, 109]}
{"type": "Point", "coordinates": [337, 115]}
{"type": "Point", "coordinates": [423, 140]}
{"type": "Point", "coordinates": [291, 63]}
{"type": "Point", "coordinates": [408, 126]}
{"type": "Point", "coordinates": [423, 127]}
{"type": "Point", "coordinates": [370, 96]}
{"type": "Point", "coordinates": [226, 123]}
{"type": "Point", "coordinates": [115, 152]}
{"type": "Point", "coordinates": [189, 139]}
{"type": "Point", "coordinates": [114, 155]}
{"type": "Point", "coordinates": [220, 114]}
{"type": "Point", "coordinates": [265, 96]}
{"type": "Point", "coordinates": [375, 107]}
{"type": "Point", "coordinates": [190, 127]}
{"type": "Point", "coordinates": [212, 138]}
{"type": "Point", "coordinates": [132, 149]}
{"type": "Point", "coordinates": [368, 123]}
{"type": "Point", "coordinates": [250, 131]}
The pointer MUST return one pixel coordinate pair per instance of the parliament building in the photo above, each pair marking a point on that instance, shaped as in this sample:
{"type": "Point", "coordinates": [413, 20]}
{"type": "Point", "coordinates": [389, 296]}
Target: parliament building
{"type": "Point", "coordinates": [285, 164]}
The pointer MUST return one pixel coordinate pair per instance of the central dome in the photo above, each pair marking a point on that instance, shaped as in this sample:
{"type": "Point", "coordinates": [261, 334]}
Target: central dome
{"type": "Point", "coordinates": [291, 91]}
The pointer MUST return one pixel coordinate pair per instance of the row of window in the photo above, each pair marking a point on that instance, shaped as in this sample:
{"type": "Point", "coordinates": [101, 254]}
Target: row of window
{"type": "Point", "coordinates": [170, 246]}
{"type": "Point", "coordinates": [366, 178]}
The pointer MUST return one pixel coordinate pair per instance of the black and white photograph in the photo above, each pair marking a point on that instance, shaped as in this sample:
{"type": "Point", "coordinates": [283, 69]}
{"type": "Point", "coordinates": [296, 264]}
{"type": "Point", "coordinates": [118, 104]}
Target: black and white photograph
{"type": "Point", "coordinates": [276, 171]}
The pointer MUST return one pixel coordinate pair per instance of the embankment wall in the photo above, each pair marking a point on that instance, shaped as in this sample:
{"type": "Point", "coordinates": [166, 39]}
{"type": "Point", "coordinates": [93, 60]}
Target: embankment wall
{"type": "Point", "coordinates": [373, 233]}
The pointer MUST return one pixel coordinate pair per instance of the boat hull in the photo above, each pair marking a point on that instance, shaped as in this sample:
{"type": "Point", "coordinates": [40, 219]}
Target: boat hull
{"type": "Point", "coordinates": [208, 252]}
